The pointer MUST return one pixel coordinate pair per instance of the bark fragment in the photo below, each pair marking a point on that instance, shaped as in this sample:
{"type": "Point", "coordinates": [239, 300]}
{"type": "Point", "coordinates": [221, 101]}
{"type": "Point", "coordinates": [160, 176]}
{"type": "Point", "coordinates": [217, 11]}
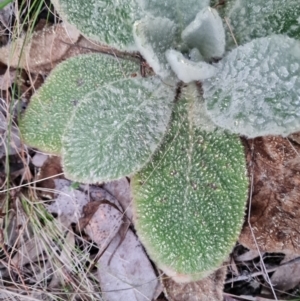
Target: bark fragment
{"type": "Point", "coordinates": [274, 164]}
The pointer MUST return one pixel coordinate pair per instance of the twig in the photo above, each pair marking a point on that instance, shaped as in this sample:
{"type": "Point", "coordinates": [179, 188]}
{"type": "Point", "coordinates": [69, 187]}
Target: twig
{"type": "Point", "coordinates": [108, 50]}
{"type": "Point", "coordinates": [252, 275]}
{"type": "Point", "coordinates": [230, 29]}
{"type": "Point", "coordinates": [27, 184]}
{"type": "Point", "coordinates": [251, 229]}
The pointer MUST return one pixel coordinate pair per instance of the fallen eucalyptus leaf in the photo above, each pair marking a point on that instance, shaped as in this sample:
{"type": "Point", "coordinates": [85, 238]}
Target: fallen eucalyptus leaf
{"type": "Point", "coordinates": [286, 277]}
{"type": "Point", "coordinates": [43, 48]}
{"type": "Point", "coordinates": [69, 203]}
{"type": "Point", "coordinates": [103, 223]}
{"type": "Point", "coordinates": [128, 274]}
{"type": "Point", "coordinates": [120, 189]}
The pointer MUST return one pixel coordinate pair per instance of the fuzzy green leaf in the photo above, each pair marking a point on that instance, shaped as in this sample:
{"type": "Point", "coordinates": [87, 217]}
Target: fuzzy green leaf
{"type": "Point", "coordinates": [187, 70]}
{"type": "Point", "coordinates": [195, 55]}
{"type": "Point", "coordinates": [116, 129]}
{"type": "Point", "coordinates": [51, 107]}
{"type": "Point", "coordinates": [190, 199]}
{"type": "Point", "coordinates": [199, 115]}
{"type": "Point", "coordinates": [181, 12]}
{"type": "Point", "coordinates": [105, 21]}
{"type": "Point", "coordinates": [153, 37]}
{"type": "Point", "coordinates": [259, 18]}
{"type": "Point", "coordinates": [257, 88]}
{"type": "Point", "coordinates": [206, 33]}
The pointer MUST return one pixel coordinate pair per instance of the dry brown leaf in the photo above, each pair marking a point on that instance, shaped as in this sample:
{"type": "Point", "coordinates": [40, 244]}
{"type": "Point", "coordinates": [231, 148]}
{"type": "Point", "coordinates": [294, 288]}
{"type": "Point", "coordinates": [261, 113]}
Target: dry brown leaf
{"type": "Point", "coordinates": [39, 159]}
{"type": "Point", "coordinates": [295, 137]}
{"type": "Point", "coordinates": [50, 170]}
{"type": "Point", "coordinates": [69, 203]}
{"type": "Point", "coordinates": [120, 189]}
{"type": "Point", "coordinates": [275, 210]}
{"type": "Point", "coordinates": [286, 277]}
{"type": "Point", "coordinates": [249, 255]}
{"type": "Point", "coordinates": [48, 47]}
{"type": "Point", "coordinates": [42, 51]}
{"type": "Point", "coordinates": [229, 298]}
{"type": "Point", "coordinates": [10, 143]}
{"type": "Point", "coordinates": [6, 15]}
{"type": "Point", "coordinates": [233, 267]}
{"type": "Point", "coordinates": [27, 252]}
{"type": "Point", "coordinates": [104, 222]}
{"type": "Point", "coordinates": [100, 194]}
{"type": "Point", "coordinates": [7, 79]}
{"type": "Point", "coordinates": [128, 275]}
{"type": "Point", "coordinates": [207, 289]}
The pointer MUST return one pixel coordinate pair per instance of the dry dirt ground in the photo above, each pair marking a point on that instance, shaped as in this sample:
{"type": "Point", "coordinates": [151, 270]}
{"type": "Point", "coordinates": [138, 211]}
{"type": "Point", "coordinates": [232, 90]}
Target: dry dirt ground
{"type": "Point", "coordinates": [264, 265]}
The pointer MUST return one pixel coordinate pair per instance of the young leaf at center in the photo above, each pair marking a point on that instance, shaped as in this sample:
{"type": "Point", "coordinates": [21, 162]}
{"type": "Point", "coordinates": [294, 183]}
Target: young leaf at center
{"type": "Point", "coordinates": [206, 33]}
{"type": "Point", "coordinates": [187, 70]}
{"type": "Point", "coordinates": [116, 129]}
{"type": "Point", "coordinates": [181, 12]}
{"type": "Point", "coordinates": [189, 201]}
{"type": "Point", "coordinates": [153, 36]}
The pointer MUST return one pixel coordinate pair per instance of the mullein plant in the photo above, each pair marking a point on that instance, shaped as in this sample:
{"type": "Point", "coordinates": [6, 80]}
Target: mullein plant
{"type": "Point", "coordinates": [175, 130]}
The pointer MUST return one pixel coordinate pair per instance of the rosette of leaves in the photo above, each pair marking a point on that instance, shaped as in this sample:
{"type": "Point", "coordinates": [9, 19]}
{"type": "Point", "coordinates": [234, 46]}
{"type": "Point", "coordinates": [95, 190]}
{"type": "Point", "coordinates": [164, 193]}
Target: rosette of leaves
{"type": "Point", "coordinates": [107, 120]}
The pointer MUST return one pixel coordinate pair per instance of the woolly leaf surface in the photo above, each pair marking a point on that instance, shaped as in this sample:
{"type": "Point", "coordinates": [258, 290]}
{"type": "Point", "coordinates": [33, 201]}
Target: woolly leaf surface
{"type": "Point", "coordinates": [105, 21]}
{"type": "Point", "coordinates": [189, 201]}
{"type": "Point", "coordinates": [259, 18]}
{"type": "Point", "coordinates": [206, 33]}
{"type": "Point", "coordinates": [116, 129]}
{"type": "Point", "coordinates": [195, 55]}
{"type": "Point", "coordinates": [51, 107]}
{"type": "Point", "coordinates": [153, 36]}
{"type": "Point", "coordinates": [199, 115]}
{"type": "Point", "coordinates": [187, 70]}
{"type": "Point", "coordinates": [181, 12]}
{"type": "Point", "coordinates": [257, 88]}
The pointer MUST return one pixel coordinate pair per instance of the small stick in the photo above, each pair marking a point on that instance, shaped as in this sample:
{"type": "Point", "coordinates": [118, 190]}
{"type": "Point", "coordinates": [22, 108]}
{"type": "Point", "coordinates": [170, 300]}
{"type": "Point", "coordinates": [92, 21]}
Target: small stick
{"type": "Point", "coordinates": [230, 29]}
{"type": "Point", "coordinates": [246, 277]}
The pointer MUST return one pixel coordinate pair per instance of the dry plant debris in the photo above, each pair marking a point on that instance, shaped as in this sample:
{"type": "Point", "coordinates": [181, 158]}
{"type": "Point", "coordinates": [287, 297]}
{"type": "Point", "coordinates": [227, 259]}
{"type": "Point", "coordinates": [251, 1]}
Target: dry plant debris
{"type": "Point", "coordinates": [120, 189]}
{"type": "Point", "coordinates": [47, 173]}
{"type": "Point", "coordinates": [42, 51]}
{"type": "Point", "coordinates": [124, 270]}
{"type": "Point", "coordinates": [274, 164]}
{"type": "Point", "coordinates": [128, 275]}
{"type": "Point", "coordinates": [286, 277]}
{"type": "Point", "coordinates": [10, 143]}
{"type": "Point", "coordinates": [208, 289]}
{"type": "Point", "coordinates": [102, 222]}
{"type": "Point", "coordinates": [47, 47]}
